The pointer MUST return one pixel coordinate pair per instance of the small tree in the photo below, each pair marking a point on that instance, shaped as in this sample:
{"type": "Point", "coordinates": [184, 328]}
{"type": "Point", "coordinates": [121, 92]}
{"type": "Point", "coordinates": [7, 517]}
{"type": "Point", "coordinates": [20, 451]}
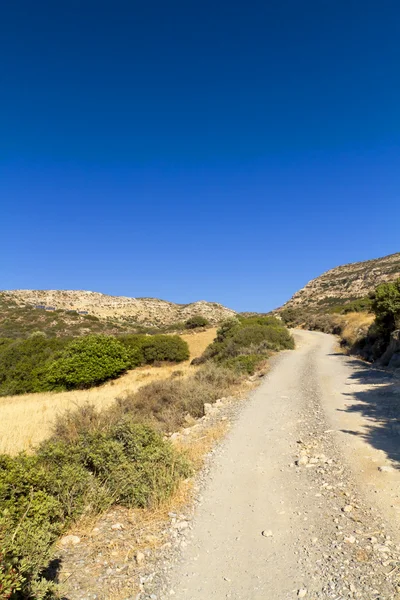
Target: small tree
{"type": "Point", "coordinates": [87, 362]}
{"type": "Point", "coordinates": [386, 305]}
{"type": "Point", "coordinates": [196, 321]}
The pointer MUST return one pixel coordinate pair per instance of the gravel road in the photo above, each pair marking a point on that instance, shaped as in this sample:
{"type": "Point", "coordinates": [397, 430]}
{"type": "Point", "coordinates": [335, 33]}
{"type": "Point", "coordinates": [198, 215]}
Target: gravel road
{"type": "Point", "coordinates": [302, 498]}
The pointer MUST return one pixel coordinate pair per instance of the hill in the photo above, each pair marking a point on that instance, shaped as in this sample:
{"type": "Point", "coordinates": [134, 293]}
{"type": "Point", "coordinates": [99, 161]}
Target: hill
{"type": "Point", "coordinates": [72, 312]}
{"type": "Point", "coordinates": [345, 284]}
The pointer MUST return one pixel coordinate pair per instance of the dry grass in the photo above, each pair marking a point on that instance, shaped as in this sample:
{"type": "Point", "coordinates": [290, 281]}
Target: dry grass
{"type": "Point", "coordinates": [198, 342]}
{"type": "Point", "coordinates": [197, 447]}
{"type": "Point", "coordinates": [354, 325]}
{"type": "Point", "coordinates": [27, 420]}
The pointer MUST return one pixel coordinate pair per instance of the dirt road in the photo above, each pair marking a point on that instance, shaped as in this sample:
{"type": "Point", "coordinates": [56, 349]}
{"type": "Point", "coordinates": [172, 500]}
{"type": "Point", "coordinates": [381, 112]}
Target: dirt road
{"type": "Point", "coordinates": [303, 496]}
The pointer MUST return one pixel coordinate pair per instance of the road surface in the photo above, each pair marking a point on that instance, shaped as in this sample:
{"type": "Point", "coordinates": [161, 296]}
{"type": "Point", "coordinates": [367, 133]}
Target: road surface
{"type": "Point", "coordinates": [303, 496]}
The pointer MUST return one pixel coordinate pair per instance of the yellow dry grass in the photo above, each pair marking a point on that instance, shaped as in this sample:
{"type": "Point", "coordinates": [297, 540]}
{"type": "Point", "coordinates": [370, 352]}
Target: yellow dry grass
{"type": "Point", "coordinates": [354, 325]}
{"type": "Point", "coordinates": [27, 420]}
{"type": "Point", "coordinates": [198, 342]}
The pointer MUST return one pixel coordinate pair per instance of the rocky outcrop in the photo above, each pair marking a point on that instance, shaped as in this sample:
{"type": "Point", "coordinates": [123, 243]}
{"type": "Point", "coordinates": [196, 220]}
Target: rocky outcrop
{"type": "Point", "coordinates": [346, 283]}
{"type": "Point", "coordinates": [391, 357]}
{"type": "Point", "coordinates": [146, 311]}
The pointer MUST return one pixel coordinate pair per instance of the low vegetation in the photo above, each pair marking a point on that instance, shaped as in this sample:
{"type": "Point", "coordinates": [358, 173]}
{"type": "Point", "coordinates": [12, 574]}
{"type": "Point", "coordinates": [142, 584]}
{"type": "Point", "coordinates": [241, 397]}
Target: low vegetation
{"type": "Point", "coordinates": [246, 363]}
{"type": "Point", "coordinates": [147, 350]}
{"type": "Point", "coordinates": [27, 419]}
{"type": "Point", "coordinates": [40, 364]}
{"type": "Point", "coordinates": [87, 362]}
{"type": "Point", "coordinates": [41, 495]}
{"type": "Point", "coordinates": [95, 459]}
{"type": "Point", "coordinates": [119, 455]}
{"type": "Point", "coordinates": [247, 336]}
{"type": "Point", "coordinates": [196, 321]}
{"type": "Point", "coordinates": [23, 363]}
{"type": "Point", "coordinates": [166, 404]}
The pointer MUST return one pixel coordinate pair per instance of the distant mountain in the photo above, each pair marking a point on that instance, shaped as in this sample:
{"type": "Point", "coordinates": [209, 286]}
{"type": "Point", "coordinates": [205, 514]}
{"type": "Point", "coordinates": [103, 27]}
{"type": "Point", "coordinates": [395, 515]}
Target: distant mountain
{"type": "Point", "coordinates": [346, 283]}
{"type": "Point", "coordinates": [83, 311]}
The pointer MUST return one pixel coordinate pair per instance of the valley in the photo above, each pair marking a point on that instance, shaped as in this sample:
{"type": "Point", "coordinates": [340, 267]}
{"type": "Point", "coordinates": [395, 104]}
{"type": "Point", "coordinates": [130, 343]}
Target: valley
{"type": "Point", "coordinates": [195, 452]}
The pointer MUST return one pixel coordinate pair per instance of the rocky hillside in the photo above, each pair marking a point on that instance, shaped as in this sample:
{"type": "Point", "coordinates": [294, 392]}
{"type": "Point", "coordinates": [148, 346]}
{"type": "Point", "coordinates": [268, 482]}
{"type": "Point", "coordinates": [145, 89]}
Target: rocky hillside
{"type": "Point", "coordinates": [346, 283]}
{"type": "Point", "coordinates": [149, 312]}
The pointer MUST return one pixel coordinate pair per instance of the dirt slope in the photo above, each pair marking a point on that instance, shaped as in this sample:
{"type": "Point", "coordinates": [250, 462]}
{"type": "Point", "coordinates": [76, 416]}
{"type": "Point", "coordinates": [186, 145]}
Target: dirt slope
{"type": "Point", "coordinates": [330, 522]}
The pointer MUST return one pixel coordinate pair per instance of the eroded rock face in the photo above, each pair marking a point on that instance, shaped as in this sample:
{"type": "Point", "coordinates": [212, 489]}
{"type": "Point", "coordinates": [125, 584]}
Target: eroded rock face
{"type": "Point", "coordinates": [391, 357]}
{"type": "Point", "coordinates": [147, 311]}
{"type": "Point", "coordinates": [347, 282]}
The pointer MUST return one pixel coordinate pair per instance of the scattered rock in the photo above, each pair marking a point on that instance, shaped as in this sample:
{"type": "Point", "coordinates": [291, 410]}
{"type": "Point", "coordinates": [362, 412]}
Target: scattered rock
{"type": "Point", "coordinates": [348, 508]}
{"type": "Point", "coordinates": [350, 540]}
{"type": "Point", "coordinates": [139, 557]}
{"type": "Point", "coordinates": [181, 525]}
{"type": "Point", "coordinates": [302, 593]}
{"type": "Point", "coordinates": [117, 526]}
{"type": "Point", "coordinates": [385, 469]}
{"type": "Point", "coordinates": [267, 533]}
{"type": "Point", "coordinates": [70, 540]}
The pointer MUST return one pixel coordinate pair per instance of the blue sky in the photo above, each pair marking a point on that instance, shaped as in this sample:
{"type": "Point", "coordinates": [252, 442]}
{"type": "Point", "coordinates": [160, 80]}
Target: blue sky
{"type": "Point", "coordinates": [197, 150]}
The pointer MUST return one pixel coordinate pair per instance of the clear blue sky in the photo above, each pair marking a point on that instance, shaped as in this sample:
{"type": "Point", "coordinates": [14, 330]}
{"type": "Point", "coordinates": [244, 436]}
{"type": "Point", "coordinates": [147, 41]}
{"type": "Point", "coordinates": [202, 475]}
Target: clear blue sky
{"type": "Point", "coordinates": [197, 150]}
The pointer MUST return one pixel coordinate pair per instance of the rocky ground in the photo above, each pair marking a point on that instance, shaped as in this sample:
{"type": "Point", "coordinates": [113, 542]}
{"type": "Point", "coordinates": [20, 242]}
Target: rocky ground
{"type": "Point", "coordinates": [147, 311]}
{"type": "Point", "coordinates": [346, 283]}
{"type": "Point", "coordinates": [299, 500]}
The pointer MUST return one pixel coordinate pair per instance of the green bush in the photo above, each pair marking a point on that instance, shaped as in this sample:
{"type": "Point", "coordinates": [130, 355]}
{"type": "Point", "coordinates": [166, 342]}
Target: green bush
{"type": "Point", "coordinates": [149, 349]}
{"type": "Point", "coordinates": [245, 363]}
{"type": "Point", "coordinates": [358, 305]}
{"type": "Point", "coordinates": [39, 364]}
{"type": "Point", "coordinates": [196, 321]}
{"type": "Point", "coordinates": [386, 306]}
{"type": "Point", "coordinates": [165, 348]}
{"type": "Point", "coordinates": [41, 495]}
{"type": "Point", "coordinates": [87, 362]}
{"type": "Point", "coordinates": [133, 344]}
{"type": "Point", "coordinates": [23, 363]}
{"type": "Point", "coordinates": [248, 335]}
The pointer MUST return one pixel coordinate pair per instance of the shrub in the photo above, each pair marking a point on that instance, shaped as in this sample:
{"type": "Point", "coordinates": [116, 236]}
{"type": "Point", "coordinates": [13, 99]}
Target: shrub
{"type": "Point", "coordinates": [358, 305]}
{"type": "Point", "coordinates": [196, 321]}
{"type": "Point", "coordinates": [73, 423]}
{"type": "Point", "coordinates": [165, 348]}
{"type": "Point", "coordinates": [10, 579]}
{"type": "Point", "coordinates": [23, 363]}
{"type": "Point", "coordinates": [326, 323]}
{"type": "Point", "coordinates": [148, 349]}
{"type": "Point", "coordinates": [165, 404]}
{"type": "Point", "coordinates": [216, 375]}
{"type": "Point", "coordinates": [133, 344]}
{"type": "Point", "coordinates": [250, 335]}
{"type": "Point", "coordinates": [245, 363]}
{"type": "Point", "coordinates": [40, 495]}
{"type": "Point", "coordinates": [292, 317]}
{"type": "Point", "coordinates": [386, 306]}
{"type": "Point", "coordinates": [88, 361]}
